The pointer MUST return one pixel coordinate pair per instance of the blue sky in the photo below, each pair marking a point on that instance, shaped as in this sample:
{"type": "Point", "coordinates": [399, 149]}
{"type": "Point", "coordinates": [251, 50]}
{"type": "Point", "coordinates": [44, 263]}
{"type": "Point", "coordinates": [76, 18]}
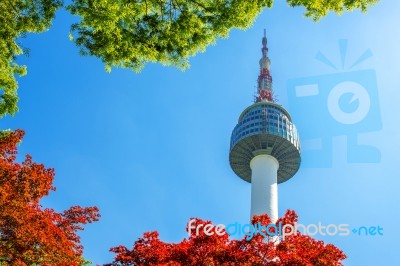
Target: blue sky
{"type": "Point", "coordinates": [151, 149]}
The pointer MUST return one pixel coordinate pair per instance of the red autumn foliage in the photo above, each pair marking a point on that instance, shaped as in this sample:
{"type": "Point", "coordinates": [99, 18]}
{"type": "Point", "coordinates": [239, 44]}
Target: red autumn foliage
{"type": "Point", "coordinates": [30, 234]}
{"type": "Point", "coordinates": [213, 250]}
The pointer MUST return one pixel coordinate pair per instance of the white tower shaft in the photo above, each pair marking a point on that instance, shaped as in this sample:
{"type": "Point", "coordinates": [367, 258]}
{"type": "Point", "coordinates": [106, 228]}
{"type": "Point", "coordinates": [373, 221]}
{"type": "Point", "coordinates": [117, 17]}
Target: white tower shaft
{"type": "Point", "coordinates": [264, 186]}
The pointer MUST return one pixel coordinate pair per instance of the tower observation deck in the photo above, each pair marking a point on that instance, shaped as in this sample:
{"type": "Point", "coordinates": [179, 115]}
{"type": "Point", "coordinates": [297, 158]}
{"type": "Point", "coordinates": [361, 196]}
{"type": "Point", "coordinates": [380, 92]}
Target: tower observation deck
{"type": "Point", "coordinates": [265, 146]}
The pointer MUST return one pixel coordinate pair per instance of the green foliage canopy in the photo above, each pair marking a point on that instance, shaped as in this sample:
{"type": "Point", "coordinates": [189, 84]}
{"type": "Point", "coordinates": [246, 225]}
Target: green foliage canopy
{"type": "Point", "coordinates": [130, 33]}
{"type": "Point", "coordinates": [317, 9]}
{"type": "Point", "coordinates": [18, 17]}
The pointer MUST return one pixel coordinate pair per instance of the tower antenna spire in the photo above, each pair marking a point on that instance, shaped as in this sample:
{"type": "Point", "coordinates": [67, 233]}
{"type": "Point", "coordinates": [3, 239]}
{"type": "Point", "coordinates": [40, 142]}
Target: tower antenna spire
{"type": "Point", "coordinates": [264, 86]}
{"type": "Point", "coordinates": [264, 42]}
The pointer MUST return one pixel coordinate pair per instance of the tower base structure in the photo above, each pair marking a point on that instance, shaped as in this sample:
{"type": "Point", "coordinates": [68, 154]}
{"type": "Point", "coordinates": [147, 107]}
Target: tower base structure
{"type": "Point", "coordinates": [264, 186]}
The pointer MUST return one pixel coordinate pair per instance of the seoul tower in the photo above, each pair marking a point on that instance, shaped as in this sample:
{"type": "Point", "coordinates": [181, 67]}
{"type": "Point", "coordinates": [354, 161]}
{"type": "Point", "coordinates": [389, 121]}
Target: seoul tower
{"type": "Point", "coordinates": [265, 146]}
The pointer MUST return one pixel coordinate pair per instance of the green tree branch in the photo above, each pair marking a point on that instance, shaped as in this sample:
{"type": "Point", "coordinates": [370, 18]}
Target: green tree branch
{"type": "Point", "coordinates": [130, 34]}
